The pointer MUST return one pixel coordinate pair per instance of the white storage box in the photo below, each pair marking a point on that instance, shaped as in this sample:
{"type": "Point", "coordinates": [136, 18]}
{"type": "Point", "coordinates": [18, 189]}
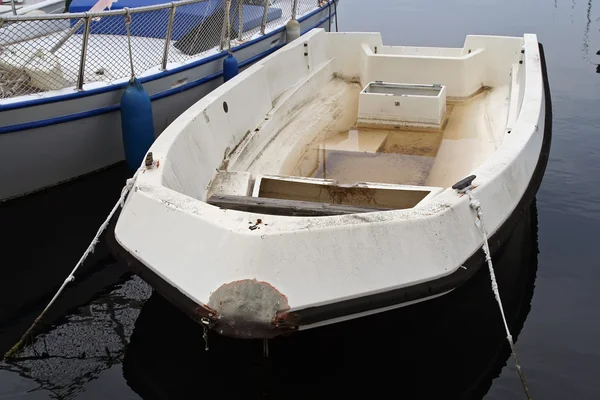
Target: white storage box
{"type": "Point", "coordinates": [398, 105]}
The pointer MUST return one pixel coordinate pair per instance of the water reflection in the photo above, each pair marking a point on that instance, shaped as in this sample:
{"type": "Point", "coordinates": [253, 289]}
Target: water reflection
{"type": "Point", "coordinates": [451, 347]}
{"type": "Point", "coordinates": [586, 37]}
{"type": "Point", "coordinates": [44, 236]}
{"type": "Point", "coordinates": [78, 349]}
{"type": "Point", "coordinates": [586, 34]}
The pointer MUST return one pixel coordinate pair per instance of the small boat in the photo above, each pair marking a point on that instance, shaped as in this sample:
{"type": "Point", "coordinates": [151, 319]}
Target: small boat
{"type": "Point", "coordinates": [337, 178]}
{"type": "Point", "coordinates": [63, 74]}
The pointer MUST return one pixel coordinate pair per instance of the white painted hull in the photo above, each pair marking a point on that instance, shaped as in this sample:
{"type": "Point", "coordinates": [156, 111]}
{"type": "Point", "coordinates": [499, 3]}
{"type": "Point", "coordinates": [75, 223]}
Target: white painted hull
{"type": "Point", "coordinates": [254, 272]}
{"type": "Point", "coordinates": [47, 144]}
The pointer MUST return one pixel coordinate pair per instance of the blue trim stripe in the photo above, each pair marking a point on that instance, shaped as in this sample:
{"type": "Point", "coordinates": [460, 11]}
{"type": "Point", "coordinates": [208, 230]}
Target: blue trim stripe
{"type": "Point", "coordinates": [58, 120]}
{"type": "Point", "coordinates": [167, 93]}
{"type": "Point", "coordinates": [153, 77]}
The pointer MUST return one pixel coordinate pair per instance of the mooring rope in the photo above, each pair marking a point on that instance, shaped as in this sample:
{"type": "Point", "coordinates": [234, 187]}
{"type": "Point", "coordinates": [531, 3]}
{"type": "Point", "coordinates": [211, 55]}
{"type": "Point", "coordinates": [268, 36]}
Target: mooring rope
{"type": "Point", "coordinates": [127, 25]}
{"type": "Point", "coordinates": [228, 33]}
{"type": "Point", "coordinates": [19, 345]}
{"type": "Point", "coordinates": [476, 205]}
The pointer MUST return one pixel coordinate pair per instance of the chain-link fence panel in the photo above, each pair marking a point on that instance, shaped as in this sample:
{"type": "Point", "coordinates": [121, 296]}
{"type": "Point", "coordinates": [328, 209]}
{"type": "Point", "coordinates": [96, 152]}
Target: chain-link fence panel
{"type": "Point", "coordinates": [46, 53]}
{"type": "Point", "coordinates": [197, 28]}
{"type": "Point", "coordinates": [37, 55]}
{"type": "Point", "coordinates": [283, 8]}
{"type": "Point", "coordinates": [263, 16]}
{"type": "Point", "coordinates": [112, 36]}
{"type": "Point", "coordinates": [306, 6]}
{"type": "Point", "coordinates": [253, 13]}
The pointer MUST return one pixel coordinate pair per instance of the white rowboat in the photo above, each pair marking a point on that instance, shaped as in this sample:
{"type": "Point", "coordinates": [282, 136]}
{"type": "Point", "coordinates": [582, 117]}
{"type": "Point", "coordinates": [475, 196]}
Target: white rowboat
{"type": "Point", "coordinates": [317, 186]}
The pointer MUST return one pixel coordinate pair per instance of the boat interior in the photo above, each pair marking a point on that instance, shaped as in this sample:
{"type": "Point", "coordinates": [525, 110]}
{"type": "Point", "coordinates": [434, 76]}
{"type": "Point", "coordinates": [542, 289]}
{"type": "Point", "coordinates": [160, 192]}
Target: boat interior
{"type": "Point", "coordinates": [404, 126]}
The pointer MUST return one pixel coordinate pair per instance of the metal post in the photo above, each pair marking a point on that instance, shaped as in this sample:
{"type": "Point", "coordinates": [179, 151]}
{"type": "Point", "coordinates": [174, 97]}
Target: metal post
{"type": "Point", "coordinates": [263, 26]}
{"type": "Point", "coordinates": [86, 35]}
{"type": "Point", "coordinates": [294, 8]}
{"type": "Point", "coordinates": [240, 19]}
{"type": "Point", "coordinates": [168, 37]}
{"type": "Point", "coordinates": [336, 20]}
{"type": "Point", "coordinates": [14, 8]}
{"type": "Point", "coordinates": [329, 8]}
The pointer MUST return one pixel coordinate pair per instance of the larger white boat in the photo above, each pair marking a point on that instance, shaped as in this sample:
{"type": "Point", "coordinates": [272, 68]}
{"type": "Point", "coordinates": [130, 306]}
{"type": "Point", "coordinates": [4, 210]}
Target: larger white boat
{"type": "Point", "coordinates": [31, 7]}
{"type": "Point", "coordinates": [337, 178]}
{"type": "Point", "coordinates": [62, 75]}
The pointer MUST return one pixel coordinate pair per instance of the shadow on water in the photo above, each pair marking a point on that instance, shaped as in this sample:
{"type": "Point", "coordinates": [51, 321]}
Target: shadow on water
{"type": "Point", "coordinates": [43, 237]}
{"type": "Point", "coordinates": [451, 347]}
{"type": "Point", "coordinates": [79, 348]}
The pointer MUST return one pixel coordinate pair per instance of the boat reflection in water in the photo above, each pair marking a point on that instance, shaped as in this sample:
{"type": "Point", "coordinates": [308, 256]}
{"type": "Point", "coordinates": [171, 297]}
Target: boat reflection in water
{"type": "Point", "coordinates": [451, 347]}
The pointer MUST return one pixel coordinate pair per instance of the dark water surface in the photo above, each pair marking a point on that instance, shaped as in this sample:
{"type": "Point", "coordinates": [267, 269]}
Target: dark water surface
{"type": "Point", "coordinates": [110, 337]}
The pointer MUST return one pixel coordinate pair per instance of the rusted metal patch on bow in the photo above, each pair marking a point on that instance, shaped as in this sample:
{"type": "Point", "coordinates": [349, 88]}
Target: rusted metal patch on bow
{"type": "Point", "coordinates": [248, 309]}
{"type": "Point", "coordinates": [204, 311]}
{"type": "Point", "coordinates": [286, 321]}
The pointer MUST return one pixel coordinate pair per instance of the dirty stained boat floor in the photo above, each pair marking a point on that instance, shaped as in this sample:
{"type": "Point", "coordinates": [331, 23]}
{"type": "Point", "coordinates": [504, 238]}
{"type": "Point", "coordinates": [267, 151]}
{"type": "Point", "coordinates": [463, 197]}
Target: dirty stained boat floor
{"type": "Point", "coordinates": [321, 140]}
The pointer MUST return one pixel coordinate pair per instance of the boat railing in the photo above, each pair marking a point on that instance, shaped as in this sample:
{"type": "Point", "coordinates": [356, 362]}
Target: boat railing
{"type": "Point", "coordinates": [13, 7]}
{"type": "Point", "coordinates": [39, 53]}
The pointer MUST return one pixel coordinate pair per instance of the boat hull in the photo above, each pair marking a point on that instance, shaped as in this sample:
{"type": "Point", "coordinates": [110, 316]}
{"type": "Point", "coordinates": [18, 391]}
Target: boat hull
{"type": "Point", "coordinates": [46, 143]}
{"type": "Point", "coordinates": [165, 353]}
{"type": "Point", "coordinates": [380, 302]}
{"type": "Point", "coordinates": [255, 273]}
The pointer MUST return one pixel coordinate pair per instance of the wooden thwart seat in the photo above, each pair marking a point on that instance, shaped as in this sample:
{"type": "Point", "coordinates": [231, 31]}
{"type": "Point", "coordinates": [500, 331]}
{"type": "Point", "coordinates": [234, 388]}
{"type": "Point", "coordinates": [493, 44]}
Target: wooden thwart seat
{"type": "Point", "coordinates": [285, 207]}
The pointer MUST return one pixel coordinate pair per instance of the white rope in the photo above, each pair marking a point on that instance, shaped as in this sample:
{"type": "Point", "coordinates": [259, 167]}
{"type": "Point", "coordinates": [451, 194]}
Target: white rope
{"type": "Point", "coordinates": [127, 24]}
{"type": "Point", "coordinates": [228, 33]}
{"type": "Point", "coordinates": [476, 205]}
{"type": "Point", "coordinates": [128, 185]}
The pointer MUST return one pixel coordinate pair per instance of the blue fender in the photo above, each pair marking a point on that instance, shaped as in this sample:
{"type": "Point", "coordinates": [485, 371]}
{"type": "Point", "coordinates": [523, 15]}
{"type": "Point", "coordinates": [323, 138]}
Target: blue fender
{"type": "Point", "coordinates": [137, 125]}
{"type": "Point", "coordinates": [230, 67]}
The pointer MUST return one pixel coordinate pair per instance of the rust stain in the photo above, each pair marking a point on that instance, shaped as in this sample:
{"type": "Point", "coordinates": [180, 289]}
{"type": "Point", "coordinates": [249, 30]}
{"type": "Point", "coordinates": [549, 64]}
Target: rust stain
{"type": "Point", "coordinates": [464, 194]}
{"type": "Point", "coordinates": [249, 308]}
{"type": "Point", "coordinates": [204, 311]}
{"type": "Point", "coordinates": [256, 225]}
{"type": "Point", "coordinates": [286, 320]}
